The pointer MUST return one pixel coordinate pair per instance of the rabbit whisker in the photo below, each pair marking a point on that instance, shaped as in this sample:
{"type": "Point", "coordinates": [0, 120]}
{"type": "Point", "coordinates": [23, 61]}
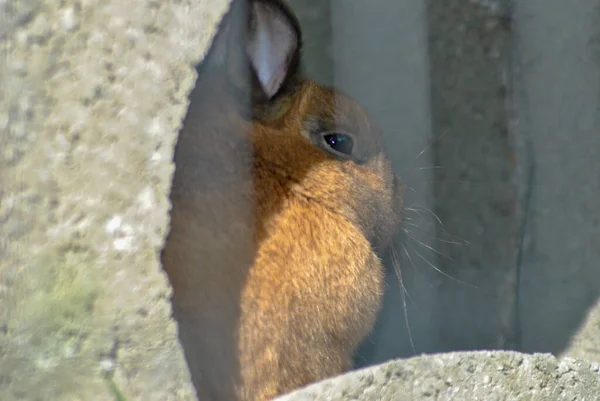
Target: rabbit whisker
{"type": "Point", "coordinates": [431, 144]}
{"type": "Point", "coordinates": [412, 237]}
{"type": "Point", "coordinates": [440, 271]}
{"type": "Point", "coordinates": [413, 224]}
{"type": "Point", "coordinates": [450, 182]}
{"type": "Point", "coordinates": [404, 294]}
{"type": "Point", "coordinates": [420, 207]}
{"type": "Point", "coordinates": [408, 187]}
{"type": "Point", "coordinates": [412, 264]}
{"type": "Point", "coordinates": [445, 241]}
{"type": "Point", "coordinates": [396, 265]}
{"type": "Point", "coordinates": [463, 242]}
{"type": "Point", "coordinates": [417, 212]}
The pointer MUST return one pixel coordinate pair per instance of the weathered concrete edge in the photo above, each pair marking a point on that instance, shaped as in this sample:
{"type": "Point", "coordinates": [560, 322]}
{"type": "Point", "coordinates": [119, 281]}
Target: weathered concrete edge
{"type": "Point", "coordinates": [483, 375]}
{"type": "Point", "coordinates": [93, 97]}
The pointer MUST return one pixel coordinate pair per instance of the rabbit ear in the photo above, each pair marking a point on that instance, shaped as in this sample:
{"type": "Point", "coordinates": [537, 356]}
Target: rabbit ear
{"type": "Point", "coordinates": [273, 43]}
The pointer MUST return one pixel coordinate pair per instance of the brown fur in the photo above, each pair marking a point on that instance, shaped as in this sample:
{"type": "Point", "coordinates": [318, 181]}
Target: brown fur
{"type": "Point", "coordinates": [272, 253]}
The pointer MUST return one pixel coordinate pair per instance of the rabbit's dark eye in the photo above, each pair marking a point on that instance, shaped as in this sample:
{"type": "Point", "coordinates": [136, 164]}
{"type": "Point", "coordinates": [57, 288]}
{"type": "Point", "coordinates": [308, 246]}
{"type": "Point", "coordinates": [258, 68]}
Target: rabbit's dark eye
{"type": "Point", "coordinates": [341, 143]}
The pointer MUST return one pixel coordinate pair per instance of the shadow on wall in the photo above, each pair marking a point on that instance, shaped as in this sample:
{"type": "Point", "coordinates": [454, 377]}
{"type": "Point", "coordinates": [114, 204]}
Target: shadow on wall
{"type": "Point", "coordinates": [492, 123]}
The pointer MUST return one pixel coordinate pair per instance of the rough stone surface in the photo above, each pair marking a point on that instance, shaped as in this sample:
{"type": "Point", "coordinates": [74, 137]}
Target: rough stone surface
{"type": "Point", "coordinates": [585, 343]}
{"type": "Point", "coordinates": [93, 94]}
{"type": "Point", "coordinates": [484, 376]}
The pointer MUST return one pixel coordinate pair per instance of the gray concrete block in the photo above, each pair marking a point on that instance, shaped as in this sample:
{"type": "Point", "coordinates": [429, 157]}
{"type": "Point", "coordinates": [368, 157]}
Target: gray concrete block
{"type": "Point", "coordinates": [315, 19]}
{"type": "Point", "coordinates": [559, 114]}
{"type": "Point", "coordinates": [470, 48]}
{"type": "Point", "coordinates": [92, 98]}
{"type": "Point", "coordinates": [489, 376]}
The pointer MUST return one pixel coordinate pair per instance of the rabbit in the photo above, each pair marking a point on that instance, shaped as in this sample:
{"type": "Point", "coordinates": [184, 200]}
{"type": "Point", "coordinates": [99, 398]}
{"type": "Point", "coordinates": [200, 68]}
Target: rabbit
{"type": "Point", "coordinates": [282, 203]}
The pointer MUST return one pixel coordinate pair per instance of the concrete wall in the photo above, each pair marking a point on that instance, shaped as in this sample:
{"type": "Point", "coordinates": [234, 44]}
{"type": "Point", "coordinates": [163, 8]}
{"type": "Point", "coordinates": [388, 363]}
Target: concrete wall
{"type": "Point", "coordinates": [558, 58]}
{"type": "Point", "coordinates": [492, 114]}
{"type": "Point", "coordinates": [92, 97]}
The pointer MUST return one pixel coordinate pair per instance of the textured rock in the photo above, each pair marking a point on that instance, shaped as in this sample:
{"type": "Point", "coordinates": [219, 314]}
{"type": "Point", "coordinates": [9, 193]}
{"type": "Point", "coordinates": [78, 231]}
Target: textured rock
{"type": "Point", "coordinates": [585, 343]}
{"type": "Point", "coordinates": [485, 376]}
{"type": "Point", "coordinates": [92, 97]}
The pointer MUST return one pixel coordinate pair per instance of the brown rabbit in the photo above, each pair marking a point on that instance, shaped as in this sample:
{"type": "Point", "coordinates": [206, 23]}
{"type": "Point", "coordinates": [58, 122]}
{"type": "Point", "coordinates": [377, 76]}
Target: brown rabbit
{"type": "Point", "coordinates": [282, 199]}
